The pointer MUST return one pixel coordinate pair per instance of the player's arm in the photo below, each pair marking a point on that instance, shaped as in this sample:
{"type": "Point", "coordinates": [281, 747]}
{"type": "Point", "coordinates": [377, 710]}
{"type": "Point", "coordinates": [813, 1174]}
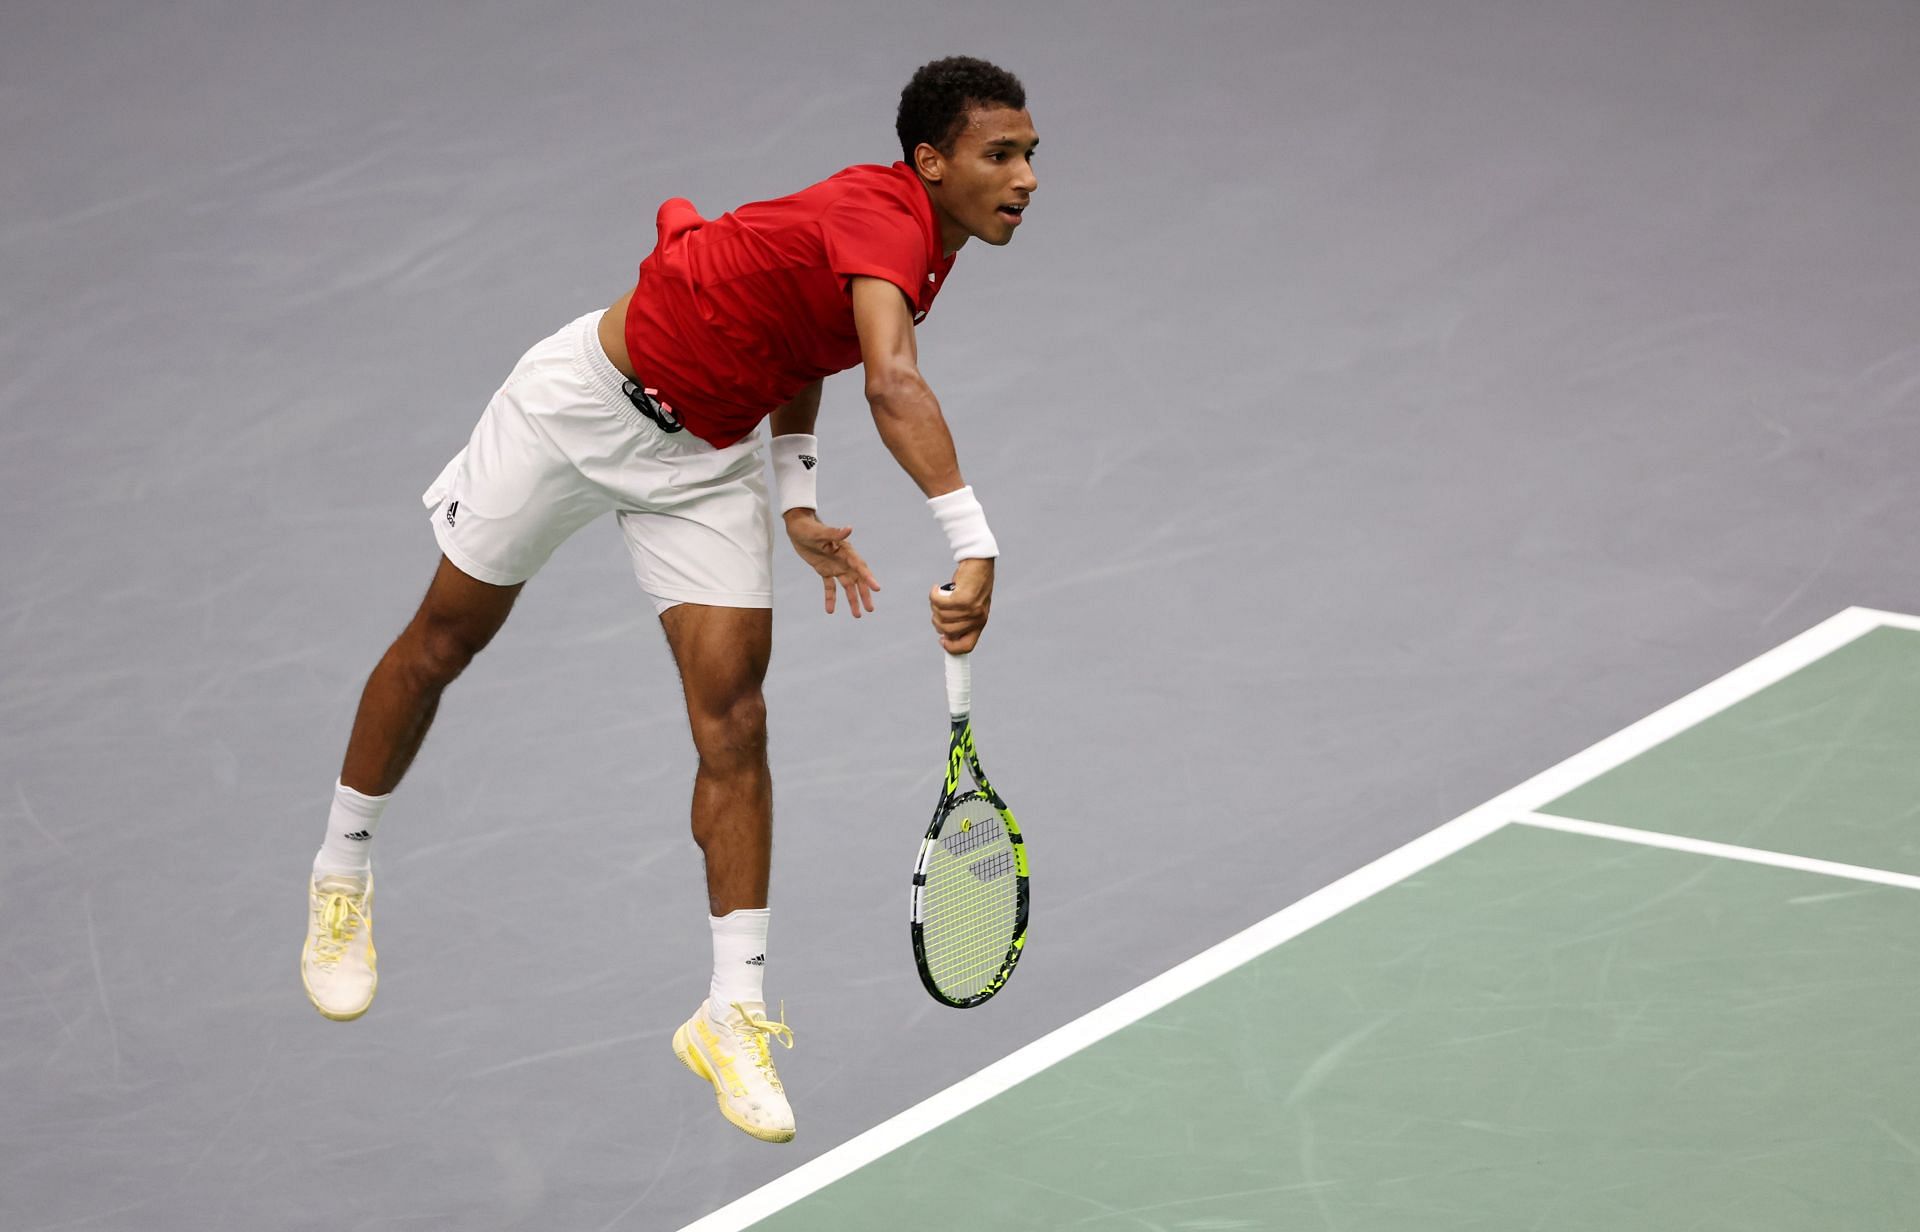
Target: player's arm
{"type": "Point", "coordinates": [908, 418]}
{"type": "Point", "coordinates": [797, 417]}
{"type": "Point", "coordinates": [796, 455]}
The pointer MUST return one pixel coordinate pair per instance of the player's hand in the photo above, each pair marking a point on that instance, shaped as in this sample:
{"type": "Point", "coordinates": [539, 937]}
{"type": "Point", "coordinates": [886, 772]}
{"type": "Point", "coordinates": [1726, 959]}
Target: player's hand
{"type": "Point", "coordinates": [830, 553]}
{"type": "Point", "coordinates": [960, 613]}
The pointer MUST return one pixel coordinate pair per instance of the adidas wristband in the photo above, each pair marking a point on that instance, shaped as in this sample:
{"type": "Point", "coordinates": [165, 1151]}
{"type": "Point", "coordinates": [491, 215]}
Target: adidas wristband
{"type": "Point", "coordinates": [960, 515]}
{"type": "Point", "coordinates": [794, 458]}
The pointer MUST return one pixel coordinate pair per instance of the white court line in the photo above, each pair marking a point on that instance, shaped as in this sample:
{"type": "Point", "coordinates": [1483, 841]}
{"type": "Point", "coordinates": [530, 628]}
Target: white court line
{"type": "Point", "coordinates": [1895, 619]}
{"type": "Point", "coordinates": [1724, 851]}
{"type": "Point", "coordinates": [1356, 887]}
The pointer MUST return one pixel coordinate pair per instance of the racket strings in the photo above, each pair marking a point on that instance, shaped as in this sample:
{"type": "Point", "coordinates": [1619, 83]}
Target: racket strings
{"type": "Point", "coordinates": [973, 835]}
{"type": "Point", "coordinates": [970, 904]}
{"type": "Point", "coordinates": [967, 951]}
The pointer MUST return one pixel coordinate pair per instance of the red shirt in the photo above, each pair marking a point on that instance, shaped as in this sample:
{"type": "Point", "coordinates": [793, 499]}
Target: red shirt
{"type": "Point", "coordinates": [732, 318]}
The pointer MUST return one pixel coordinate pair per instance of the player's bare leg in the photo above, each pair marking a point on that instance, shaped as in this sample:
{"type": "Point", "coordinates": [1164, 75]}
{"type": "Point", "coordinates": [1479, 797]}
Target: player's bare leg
{"type": "Point", "coordinates": [456, 620]}
{"type": "Point", "coordinates": [722, 654]}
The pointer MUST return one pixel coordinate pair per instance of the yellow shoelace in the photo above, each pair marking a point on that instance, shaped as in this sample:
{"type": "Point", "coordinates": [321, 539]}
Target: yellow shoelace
{"type": "Point", "coordinates": [760, 1029]}
{"type": "Point", "coordinates": [340, 918]}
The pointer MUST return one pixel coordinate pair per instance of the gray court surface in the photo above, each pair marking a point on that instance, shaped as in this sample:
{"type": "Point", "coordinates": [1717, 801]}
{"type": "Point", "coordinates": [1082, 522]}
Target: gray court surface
{"type": "Point", "coordinates": [1381, 402]}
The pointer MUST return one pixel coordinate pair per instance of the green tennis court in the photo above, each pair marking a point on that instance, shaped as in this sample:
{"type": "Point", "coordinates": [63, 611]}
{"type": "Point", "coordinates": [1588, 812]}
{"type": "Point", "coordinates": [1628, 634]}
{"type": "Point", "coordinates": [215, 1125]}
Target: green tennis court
{"type": "Point", "coordinates": [1669, 983]}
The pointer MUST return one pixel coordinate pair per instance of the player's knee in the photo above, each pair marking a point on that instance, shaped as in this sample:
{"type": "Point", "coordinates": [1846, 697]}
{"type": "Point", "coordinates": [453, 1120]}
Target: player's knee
{"type": "Point", "coordinates": [735, 731]}
{"type": "Point", "coordinates": [436, 653]}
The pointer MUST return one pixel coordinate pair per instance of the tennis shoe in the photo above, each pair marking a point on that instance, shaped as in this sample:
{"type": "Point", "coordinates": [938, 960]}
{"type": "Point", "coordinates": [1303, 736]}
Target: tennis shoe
{"type": "Point", "coordinates": [337, 963]}
{"type": "Point", "coordinates": [733, 1053]}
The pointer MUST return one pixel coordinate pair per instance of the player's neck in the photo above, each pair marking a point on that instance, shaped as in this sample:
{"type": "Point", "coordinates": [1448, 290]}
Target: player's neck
{"type": "Point", "coordinates": [952, 234]}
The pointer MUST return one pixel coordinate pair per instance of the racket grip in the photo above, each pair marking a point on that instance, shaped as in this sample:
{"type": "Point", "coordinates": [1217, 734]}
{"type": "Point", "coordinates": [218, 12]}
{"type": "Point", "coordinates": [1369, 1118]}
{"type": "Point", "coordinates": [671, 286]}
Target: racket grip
{"type": "Point", "coordinates": [959, 680]}
{"type": "Point", "coordinates": [959, 686]}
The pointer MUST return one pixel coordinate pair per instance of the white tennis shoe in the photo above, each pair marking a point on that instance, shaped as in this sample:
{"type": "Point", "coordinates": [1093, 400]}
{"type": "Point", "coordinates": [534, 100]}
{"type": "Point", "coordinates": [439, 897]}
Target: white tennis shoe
{"type": "Point", "coordinates": [337, 963]}
{"type": "Point", "coordinates": [733, 1054]}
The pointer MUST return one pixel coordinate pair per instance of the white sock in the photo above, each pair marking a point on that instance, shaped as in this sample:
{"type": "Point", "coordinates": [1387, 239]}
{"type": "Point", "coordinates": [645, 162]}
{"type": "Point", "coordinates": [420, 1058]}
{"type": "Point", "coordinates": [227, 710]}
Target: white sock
{"type": "Point", "coordinates": [350, 827]}
{"type": "Point", "coordinates": [739, 959]}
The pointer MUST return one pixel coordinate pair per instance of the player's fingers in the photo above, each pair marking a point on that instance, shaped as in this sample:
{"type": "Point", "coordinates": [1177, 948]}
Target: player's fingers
{"type": "Point", "coordinates": [960, 626]}
{"type": "Point", "coordinates": [857, 563]}
{"type": "Point", "coordinates": [829, 582]}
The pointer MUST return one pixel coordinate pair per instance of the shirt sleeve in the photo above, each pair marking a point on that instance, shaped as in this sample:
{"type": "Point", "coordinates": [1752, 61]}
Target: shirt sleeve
{"type": "Point", "coordinates": [877, 238]}
{"type": "Point", "coordinates": [675, 218]}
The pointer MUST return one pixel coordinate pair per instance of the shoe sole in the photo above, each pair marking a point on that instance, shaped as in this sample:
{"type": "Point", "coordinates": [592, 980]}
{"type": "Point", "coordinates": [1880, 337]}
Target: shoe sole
{"type": "Point", "coordinates": [691, 1058]}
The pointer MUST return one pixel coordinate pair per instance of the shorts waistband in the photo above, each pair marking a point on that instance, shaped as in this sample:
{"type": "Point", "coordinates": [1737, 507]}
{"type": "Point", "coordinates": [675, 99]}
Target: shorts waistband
{"type": "Point", "coordinates": [591, 362]}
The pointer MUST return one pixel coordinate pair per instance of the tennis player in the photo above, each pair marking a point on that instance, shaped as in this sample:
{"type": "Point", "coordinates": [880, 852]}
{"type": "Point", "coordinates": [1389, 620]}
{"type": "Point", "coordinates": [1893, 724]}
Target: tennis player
{"type": "Point", "coordinates": [650, 411]}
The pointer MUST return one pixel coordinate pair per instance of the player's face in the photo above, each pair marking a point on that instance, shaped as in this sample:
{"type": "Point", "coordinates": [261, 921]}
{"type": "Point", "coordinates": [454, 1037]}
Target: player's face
{"type": "Point", "coordinates": [981, 188]}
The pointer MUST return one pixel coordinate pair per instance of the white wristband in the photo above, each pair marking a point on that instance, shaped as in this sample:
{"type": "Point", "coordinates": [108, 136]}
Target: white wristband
{"type": "Point", "coordinates": [794, 457]}
{"type": "Point", "coordinates": [960, 515]}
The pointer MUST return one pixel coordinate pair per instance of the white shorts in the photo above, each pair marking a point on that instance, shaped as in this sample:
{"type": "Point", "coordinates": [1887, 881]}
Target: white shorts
{"type": "Point", "coordinates": [560, 444]}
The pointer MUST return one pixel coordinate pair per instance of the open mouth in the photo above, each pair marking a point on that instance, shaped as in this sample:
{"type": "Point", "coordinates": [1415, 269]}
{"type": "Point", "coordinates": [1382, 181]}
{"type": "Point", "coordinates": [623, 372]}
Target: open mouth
{"type": "Point", "coordinates": [1012, 212]}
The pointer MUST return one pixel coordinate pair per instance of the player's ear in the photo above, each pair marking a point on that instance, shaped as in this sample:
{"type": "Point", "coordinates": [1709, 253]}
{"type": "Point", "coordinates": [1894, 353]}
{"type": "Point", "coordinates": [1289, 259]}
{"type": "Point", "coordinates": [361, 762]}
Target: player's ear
{"type": "Point", "coordinates": [930, 162]}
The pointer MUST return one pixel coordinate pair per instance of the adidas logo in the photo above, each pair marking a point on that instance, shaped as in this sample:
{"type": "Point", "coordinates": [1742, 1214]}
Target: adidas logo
{"type": "Point", "coordinates": [758, 960]}
{"type": "Point", "coordinates": [809, 461]}
{"type": "Point", "coordinates": [360, 836]}
{"type": "Point", "coordinates": [453, 507]}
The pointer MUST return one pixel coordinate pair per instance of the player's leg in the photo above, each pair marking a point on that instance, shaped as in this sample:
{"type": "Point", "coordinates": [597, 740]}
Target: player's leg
{"type": "Point", "coordinates": [455, 621]}
{"type": "Point", "coordinates": [722, 655]}
{"type": "Point", "coordinates": [498, 510]}
{"type": "Point", "coordinates": [702, 543]}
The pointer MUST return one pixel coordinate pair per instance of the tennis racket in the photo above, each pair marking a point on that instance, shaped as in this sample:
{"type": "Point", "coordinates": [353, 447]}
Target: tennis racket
{"type": "Point", "coordinates": [970, 881]}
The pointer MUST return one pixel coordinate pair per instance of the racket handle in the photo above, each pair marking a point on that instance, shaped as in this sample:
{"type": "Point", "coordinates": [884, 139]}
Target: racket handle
{"type": "Point", "coordinates": [959, 680]}
{"type": "Point", "coordinates": [959, 686]}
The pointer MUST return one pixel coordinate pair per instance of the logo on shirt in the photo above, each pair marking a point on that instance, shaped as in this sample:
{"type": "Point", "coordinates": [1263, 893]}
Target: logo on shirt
{"type": "Point", "coordinates": [758, 960]}
{"type": "Point", "coordinates": [809, 461]}
{"type": "Point", "coordinates": [360, 836]}
{"type": "Point", "coordinates": [453, 507]}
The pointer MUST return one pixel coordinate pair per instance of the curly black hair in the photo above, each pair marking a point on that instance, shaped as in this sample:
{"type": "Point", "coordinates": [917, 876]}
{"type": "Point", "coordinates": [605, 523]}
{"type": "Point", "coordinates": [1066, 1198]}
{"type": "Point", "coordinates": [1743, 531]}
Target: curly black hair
{"type": "Point", "coordinates": [933, 107]}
